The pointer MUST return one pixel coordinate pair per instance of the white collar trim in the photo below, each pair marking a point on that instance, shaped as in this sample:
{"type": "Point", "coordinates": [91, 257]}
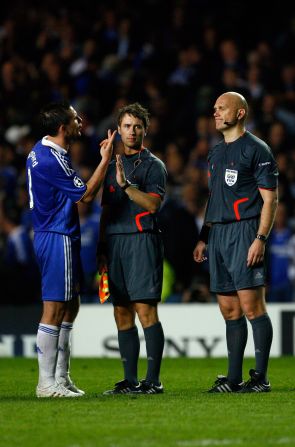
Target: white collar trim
{"type": "Point", "coordinates": [55, 146]}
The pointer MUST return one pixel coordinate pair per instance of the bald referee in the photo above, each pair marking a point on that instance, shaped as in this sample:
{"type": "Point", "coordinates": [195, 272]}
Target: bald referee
{"type": "Point", "coordinates": [243, 197]}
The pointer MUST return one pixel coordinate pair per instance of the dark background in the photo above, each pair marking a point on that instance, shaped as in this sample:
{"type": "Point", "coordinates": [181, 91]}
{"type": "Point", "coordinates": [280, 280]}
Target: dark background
{"type": "Point", "coordinates": [175, 58]}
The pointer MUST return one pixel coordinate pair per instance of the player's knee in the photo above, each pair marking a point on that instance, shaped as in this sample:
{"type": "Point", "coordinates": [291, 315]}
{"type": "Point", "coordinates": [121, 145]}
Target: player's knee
{"type": "Point", "coordinates": [147, 317]}
{"type": "Point", "coordinates": [231, 313]}
{"type": "Point", "coordinates": [254, 313]}
{"type": "Point", "coordinates": [53, 315]}
{"type": "Point", "coordinates": [125, 318]}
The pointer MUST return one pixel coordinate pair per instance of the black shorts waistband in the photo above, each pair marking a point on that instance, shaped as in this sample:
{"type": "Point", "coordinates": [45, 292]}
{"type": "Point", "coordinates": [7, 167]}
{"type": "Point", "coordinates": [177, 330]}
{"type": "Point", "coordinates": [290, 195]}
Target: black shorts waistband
{"type": "Point", "coordinates": [234, 221]}
{"type": "Point", "coordinates": [136, 232]}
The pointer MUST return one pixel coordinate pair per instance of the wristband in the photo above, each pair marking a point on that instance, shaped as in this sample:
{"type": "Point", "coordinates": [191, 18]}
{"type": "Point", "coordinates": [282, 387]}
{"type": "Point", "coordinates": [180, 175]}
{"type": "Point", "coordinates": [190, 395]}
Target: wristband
{"type": "Point", "coordinates": [204, 234]}
{"type": "Point", "coordinates": [127, 184]}
{"type": "Point", "coordinates": [261, 237]}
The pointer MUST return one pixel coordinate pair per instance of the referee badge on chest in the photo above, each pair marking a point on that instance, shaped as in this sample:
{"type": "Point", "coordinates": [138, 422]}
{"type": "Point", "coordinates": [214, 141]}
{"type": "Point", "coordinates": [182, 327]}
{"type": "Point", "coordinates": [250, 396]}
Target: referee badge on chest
{"type": "Point", "coordinates": [231, 176]}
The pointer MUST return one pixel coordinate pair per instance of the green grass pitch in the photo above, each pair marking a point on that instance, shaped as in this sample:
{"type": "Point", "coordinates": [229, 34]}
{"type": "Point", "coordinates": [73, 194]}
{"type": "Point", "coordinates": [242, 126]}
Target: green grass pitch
{"type": "Point", "coordinates": [184, 416]}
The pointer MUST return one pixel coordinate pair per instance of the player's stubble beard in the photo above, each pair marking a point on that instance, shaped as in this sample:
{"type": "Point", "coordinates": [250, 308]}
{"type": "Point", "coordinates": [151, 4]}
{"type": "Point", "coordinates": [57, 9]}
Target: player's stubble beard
{"type": "Point", "coordinates": [71, 138]}
{"type": "Point", "coordinates": [136, 146]}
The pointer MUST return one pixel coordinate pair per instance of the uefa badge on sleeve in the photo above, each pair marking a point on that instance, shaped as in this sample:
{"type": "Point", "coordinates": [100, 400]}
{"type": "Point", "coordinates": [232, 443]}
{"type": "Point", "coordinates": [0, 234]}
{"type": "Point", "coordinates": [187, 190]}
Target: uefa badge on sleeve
{"type": "Point", "coordinates": [78, 182]}
{"type": "Point", "coordinates": [103, 285]}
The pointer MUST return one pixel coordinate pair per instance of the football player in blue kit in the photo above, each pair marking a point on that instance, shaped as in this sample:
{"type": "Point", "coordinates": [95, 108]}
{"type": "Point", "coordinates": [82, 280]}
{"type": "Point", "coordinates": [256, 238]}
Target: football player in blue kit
{"type": "Point", "coordinates": [243, 197]}
{"type": "Point", "coordinates": [54, 190]}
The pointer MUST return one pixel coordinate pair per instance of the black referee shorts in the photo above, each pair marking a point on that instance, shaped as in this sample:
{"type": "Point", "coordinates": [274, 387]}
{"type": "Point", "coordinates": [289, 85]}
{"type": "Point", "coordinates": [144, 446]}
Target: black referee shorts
{"type": "Point", "coordinates": [135, 267]}
{"type": "Point", "coordinates": [228, 247]}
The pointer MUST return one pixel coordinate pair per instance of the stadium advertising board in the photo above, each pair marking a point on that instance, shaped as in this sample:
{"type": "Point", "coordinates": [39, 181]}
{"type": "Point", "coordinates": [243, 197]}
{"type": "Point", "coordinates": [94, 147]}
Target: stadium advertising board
{"type": "Point", "coordinates": [191, 330]}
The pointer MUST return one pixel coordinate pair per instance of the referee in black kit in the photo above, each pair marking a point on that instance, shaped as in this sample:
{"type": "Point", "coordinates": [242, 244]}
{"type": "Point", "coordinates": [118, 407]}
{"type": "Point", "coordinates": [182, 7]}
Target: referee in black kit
{"type": "Point", "coordinates": [130, 244]}
{"type": "Point", "coordinates": [243, 197]}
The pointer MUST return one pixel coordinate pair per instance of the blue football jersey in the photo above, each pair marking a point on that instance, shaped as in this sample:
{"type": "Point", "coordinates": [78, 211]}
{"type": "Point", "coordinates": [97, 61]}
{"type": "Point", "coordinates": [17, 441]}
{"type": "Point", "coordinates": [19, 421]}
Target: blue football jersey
{"type": "Point", "coordinates": [54, 188]}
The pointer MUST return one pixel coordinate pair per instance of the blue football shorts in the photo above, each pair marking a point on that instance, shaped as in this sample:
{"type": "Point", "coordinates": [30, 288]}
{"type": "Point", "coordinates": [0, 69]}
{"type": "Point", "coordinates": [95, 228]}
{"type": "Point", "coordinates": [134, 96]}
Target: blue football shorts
{"type": "Point", "coordinates": [59, 262]}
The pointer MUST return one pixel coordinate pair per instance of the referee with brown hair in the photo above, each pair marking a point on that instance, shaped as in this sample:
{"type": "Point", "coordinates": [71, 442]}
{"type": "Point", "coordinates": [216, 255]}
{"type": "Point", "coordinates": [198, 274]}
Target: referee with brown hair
{"type": "Point", "coordinates": [131, 246]}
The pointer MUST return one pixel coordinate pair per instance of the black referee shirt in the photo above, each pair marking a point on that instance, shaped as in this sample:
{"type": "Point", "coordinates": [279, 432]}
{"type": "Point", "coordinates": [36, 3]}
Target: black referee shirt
{"type": "Point", "coordinates": [150, 176]}
{"type": "Point", "coordinates": [236, 170]}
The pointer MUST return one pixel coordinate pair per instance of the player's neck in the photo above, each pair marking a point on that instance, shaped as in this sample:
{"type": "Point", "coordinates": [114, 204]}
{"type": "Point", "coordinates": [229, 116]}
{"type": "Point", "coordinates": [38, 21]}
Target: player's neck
{"type": "Point", "coordinates": [132, 151]}
{"type": "Point", "coordinates": [233, 134]}
{"type": "Point", "coordinates": [60, 141]}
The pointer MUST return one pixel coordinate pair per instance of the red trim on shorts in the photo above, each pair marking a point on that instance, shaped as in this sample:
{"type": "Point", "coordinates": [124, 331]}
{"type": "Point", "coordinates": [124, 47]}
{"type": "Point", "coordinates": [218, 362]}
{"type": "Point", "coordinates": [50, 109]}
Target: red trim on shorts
{"type": "Point", "coordinates": [138, 217]}
{"type": "Point", "coordinates": [236, 205]}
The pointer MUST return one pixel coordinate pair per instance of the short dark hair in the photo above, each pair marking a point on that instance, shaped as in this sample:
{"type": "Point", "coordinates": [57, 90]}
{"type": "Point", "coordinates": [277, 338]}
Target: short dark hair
{"type": "Point", "coordinates": [136, 110]}
{"type": "Point", "coordinates": [54, 115]}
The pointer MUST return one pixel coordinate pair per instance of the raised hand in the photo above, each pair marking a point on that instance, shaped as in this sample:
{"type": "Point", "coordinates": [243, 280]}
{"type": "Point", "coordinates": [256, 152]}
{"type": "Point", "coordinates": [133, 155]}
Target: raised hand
{"type": "Point", "coordinates": [120, 173]}
{"type": "Point", "coordinates": [106, 145]}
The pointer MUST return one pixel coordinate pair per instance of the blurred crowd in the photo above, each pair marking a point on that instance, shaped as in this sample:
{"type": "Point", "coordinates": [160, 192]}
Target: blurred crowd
{"type": "Point", "coordinates": [174, 58]}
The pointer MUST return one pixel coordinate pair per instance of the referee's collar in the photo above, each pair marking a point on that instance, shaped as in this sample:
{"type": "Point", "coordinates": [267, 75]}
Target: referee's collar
{"type": "Point", "coordinates": [55, 146]}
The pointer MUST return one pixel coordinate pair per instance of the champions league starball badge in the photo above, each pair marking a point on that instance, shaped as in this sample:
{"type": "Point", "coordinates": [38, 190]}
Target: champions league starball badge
{"type": "Point", "coordinates": [78, 182]}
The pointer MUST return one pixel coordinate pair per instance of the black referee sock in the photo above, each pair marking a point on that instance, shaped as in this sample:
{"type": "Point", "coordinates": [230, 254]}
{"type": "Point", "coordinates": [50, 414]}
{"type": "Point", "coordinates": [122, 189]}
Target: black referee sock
{"type": "Point", "coordinates": [129, 349]}
{"type": "Point", "coordinates": [154, 340]}
{"type": "Point", "coordinates": [236, 339]}
{"type": "Point", "coordinates": [262, 335]}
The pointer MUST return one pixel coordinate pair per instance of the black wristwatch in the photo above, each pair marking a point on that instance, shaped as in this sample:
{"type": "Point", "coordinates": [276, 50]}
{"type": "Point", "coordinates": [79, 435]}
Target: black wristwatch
{"type": "Point", "coordinates": [127, 184]}
{"type": "Point", "coordinates": [261, 237]}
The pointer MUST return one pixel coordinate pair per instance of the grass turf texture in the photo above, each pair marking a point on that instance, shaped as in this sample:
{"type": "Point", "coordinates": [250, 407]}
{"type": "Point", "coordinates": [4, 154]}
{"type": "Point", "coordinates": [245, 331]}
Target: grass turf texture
{"type": "Point", "coordinates": [184, 416]}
